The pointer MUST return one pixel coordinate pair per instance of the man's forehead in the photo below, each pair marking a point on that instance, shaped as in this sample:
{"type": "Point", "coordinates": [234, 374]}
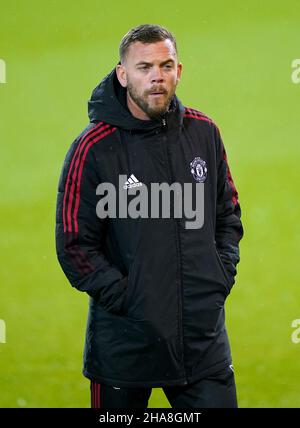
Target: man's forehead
{"type": "Point", "coordinates": [151, 52]}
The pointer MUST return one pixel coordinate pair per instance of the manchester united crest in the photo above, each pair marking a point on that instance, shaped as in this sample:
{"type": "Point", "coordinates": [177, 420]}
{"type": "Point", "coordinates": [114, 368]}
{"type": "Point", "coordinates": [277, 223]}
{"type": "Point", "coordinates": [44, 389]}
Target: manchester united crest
{"type": "Point", "coordinates": [199, 169]}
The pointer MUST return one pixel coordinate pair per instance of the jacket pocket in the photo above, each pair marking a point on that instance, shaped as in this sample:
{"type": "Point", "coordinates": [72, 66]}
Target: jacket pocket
{"type": "Point", "coordinates": [228, 280]}
{"type": "Point", "coordinates": [130, 288]}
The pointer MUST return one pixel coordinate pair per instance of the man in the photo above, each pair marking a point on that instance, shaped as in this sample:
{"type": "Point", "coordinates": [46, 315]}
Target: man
{"type": "Point", "coordinates": [157, 287]}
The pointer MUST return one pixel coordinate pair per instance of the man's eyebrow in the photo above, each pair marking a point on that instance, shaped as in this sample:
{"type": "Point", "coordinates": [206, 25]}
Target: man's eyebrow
{"type": "Point", "coordinates": [150, 63]}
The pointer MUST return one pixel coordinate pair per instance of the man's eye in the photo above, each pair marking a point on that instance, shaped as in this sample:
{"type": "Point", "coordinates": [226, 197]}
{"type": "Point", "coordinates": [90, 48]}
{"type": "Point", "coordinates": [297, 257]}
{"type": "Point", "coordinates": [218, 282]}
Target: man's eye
{"type": "Point", "coordinates": [144, 67]}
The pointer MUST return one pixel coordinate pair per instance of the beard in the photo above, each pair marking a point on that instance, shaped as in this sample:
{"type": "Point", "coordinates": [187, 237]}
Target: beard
{"type": "Point", "coordinates": [156, 108]}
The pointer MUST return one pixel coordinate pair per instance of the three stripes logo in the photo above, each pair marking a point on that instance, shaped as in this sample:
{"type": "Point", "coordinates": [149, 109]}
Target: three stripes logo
{"type": "Point", "coordinates": [132, 182]}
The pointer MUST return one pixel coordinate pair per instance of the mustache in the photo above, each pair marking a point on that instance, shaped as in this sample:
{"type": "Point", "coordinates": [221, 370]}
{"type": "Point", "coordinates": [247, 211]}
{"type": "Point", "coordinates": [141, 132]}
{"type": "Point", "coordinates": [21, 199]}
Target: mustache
{"type": "Point", "coordinates": [157, 89]}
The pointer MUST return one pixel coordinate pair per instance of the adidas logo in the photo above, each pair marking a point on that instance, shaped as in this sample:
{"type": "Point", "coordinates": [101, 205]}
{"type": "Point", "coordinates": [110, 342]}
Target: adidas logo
{"type": "Point", "coordinates": [131, 182]}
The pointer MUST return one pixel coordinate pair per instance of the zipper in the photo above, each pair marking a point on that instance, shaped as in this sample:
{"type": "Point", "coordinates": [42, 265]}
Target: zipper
{"type": "Point", "coordinates": [170, 173]}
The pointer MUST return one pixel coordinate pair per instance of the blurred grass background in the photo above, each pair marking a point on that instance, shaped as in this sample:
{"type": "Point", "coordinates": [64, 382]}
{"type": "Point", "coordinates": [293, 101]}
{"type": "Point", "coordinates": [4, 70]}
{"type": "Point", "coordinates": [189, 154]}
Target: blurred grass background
{"type": "Point", "coordinates": [237, 69]}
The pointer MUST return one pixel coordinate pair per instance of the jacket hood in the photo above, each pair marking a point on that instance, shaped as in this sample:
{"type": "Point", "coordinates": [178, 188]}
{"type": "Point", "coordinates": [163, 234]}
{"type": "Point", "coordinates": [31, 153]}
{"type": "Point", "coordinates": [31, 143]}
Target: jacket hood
{"type": "Point", "coordinates": [108, 104]}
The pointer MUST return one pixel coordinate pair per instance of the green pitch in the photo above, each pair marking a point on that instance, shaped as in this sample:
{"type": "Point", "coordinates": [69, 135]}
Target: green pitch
{"type": "Point", "coordinates": [237, 69]}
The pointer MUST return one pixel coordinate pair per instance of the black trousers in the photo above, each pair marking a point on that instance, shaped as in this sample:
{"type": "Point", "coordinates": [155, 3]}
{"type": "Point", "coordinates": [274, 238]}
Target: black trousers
{"type": "Point", "coordinates": [215, 391]}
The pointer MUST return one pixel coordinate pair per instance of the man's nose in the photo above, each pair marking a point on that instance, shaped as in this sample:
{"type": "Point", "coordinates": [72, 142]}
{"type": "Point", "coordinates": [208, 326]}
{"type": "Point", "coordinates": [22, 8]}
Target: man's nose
{"type": "Point", "coordinates": [157, 75]}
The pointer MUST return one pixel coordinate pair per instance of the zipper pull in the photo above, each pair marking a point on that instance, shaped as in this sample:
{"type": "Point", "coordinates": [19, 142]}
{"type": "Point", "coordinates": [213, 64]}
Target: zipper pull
{"type": "Point", "coordinates": [164, 124]}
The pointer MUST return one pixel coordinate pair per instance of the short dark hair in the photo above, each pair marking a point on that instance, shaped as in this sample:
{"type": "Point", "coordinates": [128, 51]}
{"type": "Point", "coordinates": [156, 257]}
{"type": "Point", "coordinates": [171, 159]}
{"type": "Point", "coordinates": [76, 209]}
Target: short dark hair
{"type": "Point", "coordinates": [145, 33]}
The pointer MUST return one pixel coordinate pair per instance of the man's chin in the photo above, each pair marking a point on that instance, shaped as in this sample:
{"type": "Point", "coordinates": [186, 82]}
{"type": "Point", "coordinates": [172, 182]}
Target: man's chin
{"type": "Point", "coordinates": [157, 111]}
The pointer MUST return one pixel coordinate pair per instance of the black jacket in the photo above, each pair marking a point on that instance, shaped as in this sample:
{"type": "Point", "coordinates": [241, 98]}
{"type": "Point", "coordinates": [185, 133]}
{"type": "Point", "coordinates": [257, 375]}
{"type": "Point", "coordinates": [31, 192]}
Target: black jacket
{"type": "Point", "coordinates": [157, 289]}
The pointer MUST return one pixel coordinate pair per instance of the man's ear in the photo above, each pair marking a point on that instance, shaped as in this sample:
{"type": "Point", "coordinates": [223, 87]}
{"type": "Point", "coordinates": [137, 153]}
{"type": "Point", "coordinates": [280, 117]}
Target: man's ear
{"type": "Point", "coordinates": [121, 75]}
{"type": "Point", "coordinates": [179, 70]}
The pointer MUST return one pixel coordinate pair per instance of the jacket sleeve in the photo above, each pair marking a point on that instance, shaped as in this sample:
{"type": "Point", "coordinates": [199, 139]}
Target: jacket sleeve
{"type": "Point", "coordinates": [80, 233]}
{"type": "Point", "coordinates": [229, 229]}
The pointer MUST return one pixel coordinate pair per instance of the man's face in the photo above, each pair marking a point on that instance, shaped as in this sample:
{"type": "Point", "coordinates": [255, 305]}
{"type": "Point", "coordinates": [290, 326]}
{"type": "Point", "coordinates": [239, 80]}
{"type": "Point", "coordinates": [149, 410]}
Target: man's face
{"type": "Point", "coordinates": [150, 72]}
